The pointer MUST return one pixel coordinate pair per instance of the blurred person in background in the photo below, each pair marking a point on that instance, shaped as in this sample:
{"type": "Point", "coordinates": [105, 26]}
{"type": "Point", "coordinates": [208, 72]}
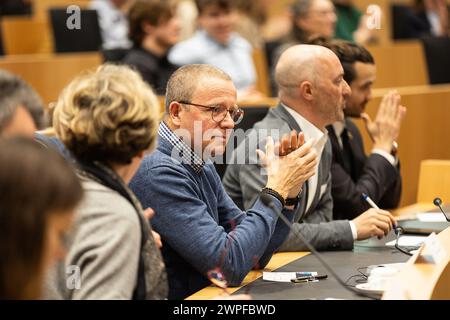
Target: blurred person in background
{"type": "Point", "coordinates": [215, 43]}
{"type": "Point", "coordinates": [38, 195]}
{"type": "Point", "coordinates": [352, 23]}
{"type": "Point", "coordinates": [154, 29]}
{"type": "Point", "coordinates": [433, 18]}
{"type": "Point", "coordinates": [309, 18]}
{"type": "Point", "coordinates": [112, 15]}
{"type": "Point", "coordinates": [251, 16]}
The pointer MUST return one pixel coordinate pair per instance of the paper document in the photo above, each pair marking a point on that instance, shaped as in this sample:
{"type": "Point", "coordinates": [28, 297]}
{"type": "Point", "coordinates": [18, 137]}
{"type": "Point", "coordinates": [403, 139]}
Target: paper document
{"type": "Point", "coordinates": [408, 241]}
{"type": "Point", "coordinates": [285, 276]}
{"type": "Point", "coordinates": [430, 217]}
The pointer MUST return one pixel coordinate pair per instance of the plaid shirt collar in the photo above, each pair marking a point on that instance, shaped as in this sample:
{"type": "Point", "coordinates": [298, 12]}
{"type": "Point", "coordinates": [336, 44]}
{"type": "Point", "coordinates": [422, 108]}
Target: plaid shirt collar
{"type": "Point", "coordinates": [182, 150]}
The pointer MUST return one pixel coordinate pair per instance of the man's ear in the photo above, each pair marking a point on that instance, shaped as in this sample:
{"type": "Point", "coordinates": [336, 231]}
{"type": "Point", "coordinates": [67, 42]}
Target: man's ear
{"type": "Point", "coordinates": [306, 90]}
{"type": "Point", "coordinates": [175, 109]}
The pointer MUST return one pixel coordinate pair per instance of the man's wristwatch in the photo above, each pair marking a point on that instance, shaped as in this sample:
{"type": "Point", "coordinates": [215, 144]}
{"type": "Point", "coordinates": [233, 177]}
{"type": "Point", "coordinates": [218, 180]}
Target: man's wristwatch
{"type": "Point", "coordinates": [293, 201]}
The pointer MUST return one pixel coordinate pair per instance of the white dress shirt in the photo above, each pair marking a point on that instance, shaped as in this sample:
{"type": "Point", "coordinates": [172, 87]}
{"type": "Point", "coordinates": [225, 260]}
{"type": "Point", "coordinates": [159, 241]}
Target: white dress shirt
{"type": "Point", "coordinates": [312, 132]}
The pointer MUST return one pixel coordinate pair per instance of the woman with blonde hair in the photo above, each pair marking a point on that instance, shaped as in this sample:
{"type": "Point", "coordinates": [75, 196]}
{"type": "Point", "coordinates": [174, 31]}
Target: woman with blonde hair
{"type": "Point", "coordinates": [108, 119]}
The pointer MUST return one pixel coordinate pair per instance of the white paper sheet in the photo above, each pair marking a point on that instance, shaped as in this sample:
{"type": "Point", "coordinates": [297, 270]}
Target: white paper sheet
{"type": "Point", "coordinates": [285, 276]}
{"type": "Point", "coordinates": [408, 241]}
{"type": "Point", "coordinates": [430, 217]}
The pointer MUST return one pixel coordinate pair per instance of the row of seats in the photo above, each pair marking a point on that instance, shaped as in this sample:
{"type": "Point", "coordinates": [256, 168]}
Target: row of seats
{"type": "Point", "coordinates": [88, 38]}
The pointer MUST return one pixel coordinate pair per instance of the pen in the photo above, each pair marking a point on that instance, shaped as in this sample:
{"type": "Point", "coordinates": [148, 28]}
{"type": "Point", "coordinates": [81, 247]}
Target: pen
{"type": "Point", "coordinates": [374, 205]}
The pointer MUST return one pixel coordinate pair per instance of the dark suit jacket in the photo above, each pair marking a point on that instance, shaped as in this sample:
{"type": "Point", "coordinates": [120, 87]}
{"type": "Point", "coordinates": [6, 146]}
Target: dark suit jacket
{"type": "Point", "coordinates": [243, 183]}
{"type": "Point", "coordinates": [373, 175]}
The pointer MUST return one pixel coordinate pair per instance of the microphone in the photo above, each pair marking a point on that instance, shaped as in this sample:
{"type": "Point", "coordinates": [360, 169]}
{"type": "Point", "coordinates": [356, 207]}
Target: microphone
{"type": "Point", "coordinates": [437, 202]}
{"type": "Point", "coordinates": [267, 200]}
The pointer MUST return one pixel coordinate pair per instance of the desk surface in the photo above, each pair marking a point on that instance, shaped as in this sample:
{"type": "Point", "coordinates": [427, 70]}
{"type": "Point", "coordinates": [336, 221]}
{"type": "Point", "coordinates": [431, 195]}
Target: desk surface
{"type": "Point", "coordinates": [345, 263]}
{"type": "Point", "coordinates": [278, 260]}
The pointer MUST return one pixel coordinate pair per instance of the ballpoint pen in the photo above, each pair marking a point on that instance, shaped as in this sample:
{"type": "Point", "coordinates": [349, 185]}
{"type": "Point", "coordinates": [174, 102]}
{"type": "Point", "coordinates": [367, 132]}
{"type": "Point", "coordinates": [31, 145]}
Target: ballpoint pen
{"type": "Point", "coordinates": [374, 205]}
{"type": "Point", "coordinates": [308, 278]}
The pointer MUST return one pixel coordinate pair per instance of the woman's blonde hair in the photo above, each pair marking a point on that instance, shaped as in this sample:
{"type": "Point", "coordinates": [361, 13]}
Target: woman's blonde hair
{"type": "Point", "coordinates": [109, 115]}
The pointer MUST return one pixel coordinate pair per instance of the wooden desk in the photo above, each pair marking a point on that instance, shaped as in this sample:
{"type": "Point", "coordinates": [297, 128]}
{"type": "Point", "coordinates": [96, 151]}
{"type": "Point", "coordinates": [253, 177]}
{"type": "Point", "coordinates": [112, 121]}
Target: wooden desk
{"type": "Point", "coordinates": [281, 259]}
{"type": "Point", "coordinates": [344, 263]}
{"type": "Point", "coordinates": [278, 260]}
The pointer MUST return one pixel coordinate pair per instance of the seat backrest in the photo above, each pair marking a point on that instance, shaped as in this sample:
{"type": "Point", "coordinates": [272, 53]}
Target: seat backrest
{"type": "Point", "coordinates": [405, 24]}
{"type": "Point", "coordinates": [437, 53]}
{"type": "Point", "coordinates": [262, 72]}
{"type": "Point", "coordinates": [86, 38]}
{"type": "Point", "coordinates": [434, 181]}
{"type": "Point", "coordinates": [251, 116]}
{"type": "Point", "coordinates": [114, 55]}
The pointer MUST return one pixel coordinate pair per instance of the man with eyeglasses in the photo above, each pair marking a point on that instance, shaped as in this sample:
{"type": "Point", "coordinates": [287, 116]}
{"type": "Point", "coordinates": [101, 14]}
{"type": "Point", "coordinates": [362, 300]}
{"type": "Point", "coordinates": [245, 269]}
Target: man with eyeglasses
{"type": "Point", "coordinates": [202, 230]}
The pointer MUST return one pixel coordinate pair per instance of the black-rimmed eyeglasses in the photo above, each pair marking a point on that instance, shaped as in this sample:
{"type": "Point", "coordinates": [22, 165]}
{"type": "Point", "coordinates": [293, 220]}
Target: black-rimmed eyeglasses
{"type": "Point", "coordinates": [219, 112]}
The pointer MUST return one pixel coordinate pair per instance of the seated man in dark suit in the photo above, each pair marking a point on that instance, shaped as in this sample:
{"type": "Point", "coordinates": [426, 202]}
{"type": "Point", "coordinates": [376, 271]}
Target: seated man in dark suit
{"type": "Point", "coordinates": [354, 173]}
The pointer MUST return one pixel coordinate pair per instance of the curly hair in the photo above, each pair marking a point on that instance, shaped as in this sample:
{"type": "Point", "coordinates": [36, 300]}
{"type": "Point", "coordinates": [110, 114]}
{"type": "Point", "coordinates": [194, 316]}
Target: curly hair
{"type": "Point", "coordinates": [109, 115]}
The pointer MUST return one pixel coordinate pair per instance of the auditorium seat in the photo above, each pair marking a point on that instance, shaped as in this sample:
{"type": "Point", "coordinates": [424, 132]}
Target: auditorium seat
{"type": "Point", "coordinates": [437, 53]}
{"type": "Point", "coordinates": [87, 38]}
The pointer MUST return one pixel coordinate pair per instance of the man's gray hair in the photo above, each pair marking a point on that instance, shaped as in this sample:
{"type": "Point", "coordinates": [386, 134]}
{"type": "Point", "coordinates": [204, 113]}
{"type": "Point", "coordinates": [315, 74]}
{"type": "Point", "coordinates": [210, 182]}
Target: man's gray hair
{"type": "Point", "coordinates": [15, 92]}
{"type": "Point", "coordinates": [184, 81]}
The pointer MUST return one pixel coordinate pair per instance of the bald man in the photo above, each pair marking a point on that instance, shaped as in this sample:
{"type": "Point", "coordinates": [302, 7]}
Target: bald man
{"type": "Point", "coordinates": [312, 94]}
